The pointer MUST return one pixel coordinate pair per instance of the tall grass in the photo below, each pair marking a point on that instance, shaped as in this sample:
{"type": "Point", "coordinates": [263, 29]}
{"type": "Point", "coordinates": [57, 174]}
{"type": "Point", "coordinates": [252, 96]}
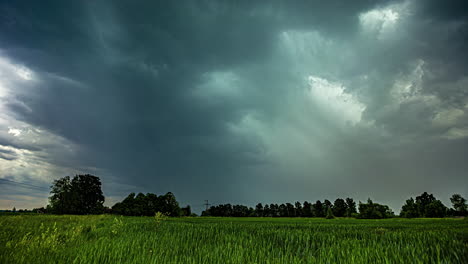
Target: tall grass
{"type": "Point", "coordinates": [111, 239]}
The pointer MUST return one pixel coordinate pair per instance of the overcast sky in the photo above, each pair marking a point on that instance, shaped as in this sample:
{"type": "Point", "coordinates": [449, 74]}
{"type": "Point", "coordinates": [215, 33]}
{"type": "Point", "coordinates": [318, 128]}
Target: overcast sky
{"type": "Point", "coordinates": [235, 101]}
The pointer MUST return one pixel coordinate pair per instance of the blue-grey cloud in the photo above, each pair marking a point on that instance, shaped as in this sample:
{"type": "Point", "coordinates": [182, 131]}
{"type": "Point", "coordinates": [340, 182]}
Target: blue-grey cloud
{"type": "Point", "coordinates": [241, 101]}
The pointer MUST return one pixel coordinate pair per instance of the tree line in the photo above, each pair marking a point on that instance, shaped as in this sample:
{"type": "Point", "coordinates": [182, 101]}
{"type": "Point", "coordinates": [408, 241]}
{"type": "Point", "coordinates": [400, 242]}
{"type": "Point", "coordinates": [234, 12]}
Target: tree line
{"type": "Point", "coordinates": [319, 209]}
{"type": "Point", "coordinates": [82, 194]}
{"type": "Point", "coordinates": [340, 208]}
{"type": "Point", "coordinates": [149, 204]}
{"type": "Point", "coordinates": [425, 205]}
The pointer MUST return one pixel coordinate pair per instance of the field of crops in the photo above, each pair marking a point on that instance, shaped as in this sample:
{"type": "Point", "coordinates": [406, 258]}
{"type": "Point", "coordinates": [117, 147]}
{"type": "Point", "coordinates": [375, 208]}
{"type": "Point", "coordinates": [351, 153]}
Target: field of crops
{"type": "Point", "coordinates": [110, 239]}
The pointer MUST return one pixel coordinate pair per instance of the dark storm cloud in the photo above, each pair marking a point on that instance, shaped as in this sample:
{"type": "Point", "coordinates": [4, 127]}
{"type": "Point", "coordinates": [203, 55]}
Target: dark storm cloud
{"type": "Point", "coordinates": [204, 98]}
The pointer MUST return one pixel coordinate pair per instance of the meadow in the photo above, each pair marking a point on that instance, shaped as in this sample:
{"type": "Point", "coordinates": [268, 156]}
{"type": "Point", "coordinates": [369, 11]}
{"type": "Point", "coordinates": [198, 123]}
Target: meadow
{"type": "Point", "coordinates": [116, 239]}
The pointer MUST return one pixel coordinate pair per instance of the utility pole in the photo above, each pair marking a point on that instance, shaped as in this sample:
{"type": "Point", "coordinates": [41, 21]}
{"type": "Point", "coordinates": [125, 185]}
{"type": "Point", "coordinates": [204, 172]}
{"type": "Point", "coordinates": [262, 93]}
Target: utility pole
{"type": "Point", "coordinates": [206, 204]}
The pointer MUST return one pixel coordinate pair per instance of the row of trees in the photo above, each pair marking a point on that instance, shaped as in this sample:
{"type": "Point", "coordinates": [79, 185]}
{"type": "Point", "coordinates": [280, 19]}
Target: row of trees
{"type": "Point", "coordinates": [82, 194]}
{"type": "Point", "coordinates": [149, 204]}
{"type": "Point", "coordinates": [371, 210]}
{"type": "Point", "coordinates": [426, 205]}
{"type": "Point", "coordinates": [340, 208]}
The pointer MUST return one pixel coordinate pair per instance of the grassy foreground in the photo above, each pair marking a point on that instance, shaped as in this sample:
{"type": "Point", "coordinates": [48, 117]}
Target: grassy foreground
{"type": "Point", "coordinates": [111, 239]}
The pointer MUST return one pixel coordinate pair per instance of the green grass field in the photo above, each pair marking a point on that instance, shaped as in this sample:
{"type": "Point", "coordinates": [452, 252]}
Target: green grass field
{"type": "Point", "coordinates": [111, 239]}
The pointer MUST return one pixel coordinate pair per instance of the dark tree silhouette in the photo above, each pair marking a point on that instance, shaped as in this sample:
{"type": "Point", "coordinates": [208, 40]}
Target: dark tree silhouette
{"type": "Point", "coordinates": [274, 210]}
{"type": "Point", "coordinates": [371, 210]}
{"type": "Point", "coordinates": [148, 205]}
{"type": "Point", "coordinates": [329, 213]}
{"type": "Point", "coordinates": [422, 201]}
{"type": "Point", "coordinates": [282, 210]}
{"type": "Point", "coordinates": [307, 209]}
{"type": "Point", "coordinates": [228, 210]}
{"type": "Point", "coordinates": [297, 209]}
{"type": "Point", "coordinates": [459, 204]}
{"type": "Point", "coordinates": [339, 207]}
{"type": "Point", "coordinates": [80, 195]}
{"type": "Point", "coordinates": [425, 205]}
{"type": "Point", "coordinates": [267, 211]}
{"type": "Point", "coordinates": [290, 212]}
{"type": "Point", "coordinates": [350, 207]}
{"type": "Point", "coordinates": [318, 209]}
{"type": "Point", "coordinates": [409, 209]}
{"type": "Point", "coordinates": [259, 209]}
{"type": "Point", "coordinates": [186, 211]}
{"type": "Point", "coordinates": [436, 209]}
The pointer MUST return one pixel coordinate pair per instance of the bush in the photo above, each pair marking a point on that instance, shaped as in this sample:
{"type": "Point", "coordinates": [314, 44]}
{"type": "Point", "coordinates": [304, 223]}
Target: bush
{"type": "Point", "coordinates": [371, 210]}
{"type": "Point", "coordinates": [329, 214]}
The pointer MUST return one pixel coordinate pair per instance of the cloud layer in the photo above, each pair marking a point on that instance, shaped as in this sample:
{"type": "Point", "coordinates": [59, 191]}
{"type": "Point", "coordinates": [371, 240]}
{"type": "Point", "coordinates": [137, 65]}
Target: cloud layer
{"type": "Point", "coordinates": [237, 101]}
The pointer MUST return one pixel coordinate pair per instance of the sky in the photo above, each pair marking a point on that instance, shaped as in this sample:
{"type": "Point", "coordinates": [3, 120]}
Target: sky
{"type": "Point", "coordinates": [235, 101]}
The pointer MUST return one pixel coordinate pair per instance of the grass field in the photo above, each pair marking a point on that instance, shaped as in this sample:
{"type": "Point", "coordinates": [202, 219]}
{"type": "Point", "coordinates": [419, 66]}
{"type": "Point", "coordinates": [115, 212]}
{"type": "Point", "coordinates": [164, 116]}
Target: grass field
{"type": "Point", "coordinates": [111, 239]}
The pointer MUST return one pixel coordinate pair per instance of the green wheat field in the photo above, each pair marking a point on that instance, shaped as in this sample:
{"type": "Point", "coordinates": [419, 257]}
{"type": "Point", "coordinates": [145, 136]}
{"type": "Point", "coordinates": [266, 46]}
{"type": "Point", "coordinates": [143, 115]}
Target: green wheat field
{"type": "Point", "coordinates": [116, 239]}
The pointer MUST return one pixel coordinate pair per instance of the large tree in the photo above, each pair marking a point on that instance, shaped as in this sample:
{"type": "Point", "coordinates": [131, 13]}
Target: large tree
{"type": "Point", "coordinates": [422, 201]}
{"type": "Point", "coordinates": [459, 204]}
{"type": "Point", "coordinates": [339, 207]}
{"type": "Point", "coordinates": [80, 195]}
{"type": "Point", "coordinates": [267, 211]}
{"type": "Point", "coordinates": [148, 205]}
{"type": "Point", "coordinates": [425, 205]}
{"type": "Point", "coordinates": [318, 209]}
{"type": "Point", "coordinates": [436, 209]}
{"type": "Point", "coordinates": [298, 209]}
{"type": "Point", "coordinates": [307, 209]}
{"type": "Point", "coordinates": [259, 210]}
{"type": "Point", "coordinates": [350, 207]}
{"type": "Point", "coordinates": [409, 209]}
{"type": "Point", "coordinates": [60, 201]}
{"type": "Point", "coordinates": [371, 210]}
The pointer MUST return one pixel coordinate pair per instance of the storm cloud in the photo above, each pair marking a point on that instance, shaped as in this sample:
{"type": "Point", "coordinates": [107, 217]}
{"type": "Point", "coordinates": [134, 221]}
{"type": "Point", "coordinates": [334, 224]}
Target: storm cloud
{"type": "Point", "coordinates": [237, 101]}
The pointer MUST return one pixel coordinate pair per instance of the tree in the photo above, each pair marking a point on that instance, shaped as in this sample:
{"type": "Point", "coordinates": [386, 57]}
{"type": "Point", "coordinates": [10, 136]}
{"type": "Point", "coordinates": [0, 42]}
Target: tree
{"type": "Point", "coordinates": [267, 211]}
{"type": "Point", "coordinates": [409, 209]}
{"type": "Point", "coordinates": [436, 209]}
{"type": "Point", "coordinates": [307, 209]}
{"type": "Point", "coordinates": [422, 201]}
{"type": "Point", "coordinates": [371, 210]}
{"type": "Point", "coordinates": [80, 195]}
{"type": "Point", "coordinates": [290, 210]}
{"type": "Point", "coordinates": [274, 210]}
{"type": "Point", "coordinates": [425, 205]}
{"type": "Point", "coordinates": [240, 211]}
{"type": "Point", "coordinates": [170, 205]}
{"type": "Point", "coordinates": [350, 207]}
{"type": "Point", "coordinates": [40, 210]}
{"type": "Point", "coordinates": [259, 209]}
{"type": "Point", "coordinates": [298, 209]}
{"type": "Point", "coordinates": [61, 199]}
{"type": "Point", "coordinates": [329, 213]}
{"type": "Point", "coordinates": [459, 204]}
{"type": "Point", "coordinates": [282, 210]}
{"type": "Point", "coordinates": [140, 207]}
{"type": "Point", "coordinates": [318, 209]}
{"type": "Point", "coordinates": [149, 204]}
{"type": "Point", "coordinates": [88, 194]}
{"type": "Point", "coordinates": [339, 207]}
